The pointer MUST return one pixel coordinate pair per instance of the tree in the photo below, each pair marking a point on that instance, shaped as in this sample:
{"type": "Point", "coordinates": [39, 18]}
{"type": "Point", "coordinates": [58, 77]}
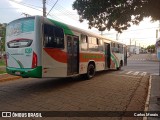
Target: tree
{"type": "Point", "coordinates": [3, 36]}
{"type": "Point", "coordinates": [117, 14]}
{"type": "Point", "coordinates": [151, 48]}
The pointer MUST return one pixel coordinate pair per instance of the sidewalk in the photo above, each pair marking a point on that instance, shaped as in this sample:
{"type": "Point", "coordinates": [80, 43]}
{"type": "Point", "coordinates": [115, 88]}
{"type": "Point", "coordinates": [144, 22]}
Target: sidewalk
{"type": "Point", "coordinates": [154, 103]}
{"type": "Point", "coordinates": [7, 77]}
{"type": "Point", "coordinates": [154, 99]}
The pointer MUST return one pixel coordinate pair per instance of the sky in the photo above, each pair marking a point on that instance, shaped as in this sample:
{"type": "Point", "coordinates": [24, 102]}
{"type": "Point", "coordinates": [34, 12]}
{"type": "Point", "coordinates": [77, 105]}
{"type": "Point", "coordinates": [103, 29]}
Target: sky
{"type": "Point", "coordinates": [142, 35]}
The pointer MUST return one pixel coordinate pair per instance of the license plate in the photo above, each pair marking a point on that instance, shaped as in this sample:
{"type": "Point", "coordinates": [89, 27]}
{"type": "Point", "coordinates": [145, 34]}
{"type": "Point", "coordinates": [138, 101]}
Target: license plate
{"type": "Point", "coordinates": [17, 73]}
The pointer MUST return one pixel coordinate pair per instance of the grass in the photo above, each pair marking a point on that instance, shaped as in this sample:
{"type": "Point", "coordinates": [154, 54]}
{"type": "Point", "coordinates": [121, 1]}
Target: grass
{"type": "Point", "coordinates": [2, 62]}
{"type": "Point", "coordinates": [1, 72]}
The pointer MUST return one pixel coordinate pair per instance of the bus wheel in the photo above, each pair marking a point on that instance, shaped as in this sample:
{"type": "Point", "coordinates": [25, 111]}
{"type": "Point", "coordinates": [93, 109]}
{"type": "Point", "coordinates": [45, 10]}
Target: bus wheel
{"type": "Point", "coordinates": [90, 71]}
{"type": "Point", "coordinates": [121, 64]}
{"type": "Point", "coordinates": [119, 68]}
{"type": "Point", "coordinates": [24, 77]}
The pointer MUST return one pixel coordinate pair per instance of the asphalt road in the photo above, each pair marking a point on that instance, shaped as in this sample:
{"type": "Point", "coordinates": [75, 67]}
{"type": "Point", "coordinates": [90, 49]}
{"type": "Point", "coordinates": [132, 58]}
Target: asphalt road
{"type": "Point", "coordinates": [151, 67]}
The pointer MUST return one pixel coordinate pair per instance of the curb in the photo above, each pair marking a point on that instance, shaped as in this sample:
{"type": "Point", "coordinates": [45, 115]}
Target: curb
{"type": "Point", "coordinates": [9, 78]}
{"type": "Point", "coordinates": [3, 74]}
{"type": "Point", "coordinates": [153, 60]}
{"type": "Point", "coordinates": [148, 98]}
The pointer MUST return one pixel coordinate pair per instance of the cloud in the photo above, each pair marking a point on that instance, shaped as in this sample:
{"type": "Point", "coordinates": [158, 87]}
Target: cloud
{"type": "Point", "coordinates": [24, 8]}
{"type": "Point", "coordinates": [7, 12]}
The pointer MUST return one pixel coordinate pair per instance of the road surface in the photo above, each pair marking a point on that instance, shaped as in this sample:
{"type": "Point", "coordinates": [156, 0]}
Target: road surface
{"type": "Point", "coordinates": [107, 91]}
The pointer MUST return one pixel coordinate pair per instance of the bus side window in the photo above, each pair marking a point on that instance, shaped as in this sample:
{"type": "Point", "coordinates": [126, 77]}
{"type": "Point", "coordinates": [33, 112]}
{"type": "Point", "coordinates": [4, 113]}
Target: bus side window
{"type": "Point", "coordinates": [53, 36]}
{"type": "Point", "coordinates": [100, 44]}
{"type": "Point", "coordinates": [84, 42]}
{"type": "Point", "coordinates": [121, 48]}
{"type": "Point", "coordinates": [92, 46]}
{"type": "Point", "coordinates": [113, 47]}
{"type": "Point", "coordinates": [118, 48]}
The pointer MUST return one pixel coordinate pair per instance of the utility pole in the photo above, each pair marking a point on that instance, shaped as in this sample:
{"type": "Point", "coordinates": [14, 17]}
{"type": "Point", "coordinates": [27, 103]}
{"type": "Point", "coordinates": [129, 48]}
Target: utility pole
{"type": "Point", "coordinates": [44, 8]}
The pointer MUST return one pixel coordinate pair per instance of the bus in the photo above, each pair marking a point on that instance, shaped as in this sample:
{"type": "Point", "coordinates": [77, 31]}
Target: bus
{"type": "Point", "coordinates": [41, 47]}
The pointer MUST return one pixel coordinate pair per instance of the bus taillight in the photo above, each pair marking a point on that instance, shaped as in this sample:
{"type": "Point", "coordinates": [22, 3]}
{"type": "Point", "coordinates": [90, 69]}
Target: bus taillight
{"type": "Point", "coordinates": [34, 60]}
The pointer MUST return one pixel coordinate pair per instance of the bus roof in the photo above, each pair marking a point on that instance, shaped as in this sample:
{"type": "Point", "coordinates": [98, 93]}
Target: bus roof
{"type": "Point", "coordinates": [76, 29]}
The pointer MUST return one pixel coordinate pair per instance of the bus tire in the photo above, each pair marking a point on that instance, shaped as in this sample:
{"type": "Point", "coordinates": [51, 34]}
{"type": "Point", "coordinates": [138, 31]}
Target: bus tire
{"type": "Point", "coordinates": [90, 71]}
{"type": "Point", "coordinates": [25, 77]}
{"type": "Point", "coordinates": [120, 66]}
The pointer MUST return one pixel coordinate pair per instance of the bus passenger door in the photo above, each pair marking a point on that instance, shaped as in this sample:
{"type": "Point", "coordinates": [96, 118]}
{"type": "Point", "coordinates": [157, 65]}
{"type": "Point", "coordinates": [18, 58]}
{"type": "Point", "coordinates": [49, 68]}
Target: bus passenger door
{"type": "Point", "coordinates": [72, 55]}
{"type": "Point", "coordinates": [107, 55]}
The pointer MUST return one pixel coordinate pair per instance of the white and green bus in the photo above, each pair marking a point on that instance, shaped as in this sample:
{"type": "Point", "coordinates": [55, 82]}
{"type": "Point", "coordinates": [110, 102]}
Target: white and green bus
{"type": "Point", "coordinates": [42, 47]}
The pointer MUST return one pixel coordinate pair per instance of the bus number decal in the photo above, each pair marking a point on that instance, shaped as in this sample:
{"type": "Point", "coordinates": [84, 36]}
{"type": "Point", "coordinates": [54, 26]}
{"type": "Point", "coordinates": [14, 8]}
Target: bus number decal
{"type": "Point", "coordinates": [28, 50]}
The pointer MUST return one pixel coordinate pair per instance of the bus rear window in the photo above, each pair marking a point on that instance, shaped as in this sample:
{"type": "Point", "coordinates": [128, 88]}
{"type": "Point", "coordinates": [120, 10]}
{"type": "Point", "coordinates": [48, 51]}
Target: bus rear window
{"type": "Point", "coordinates": [17, 27]}
{"type": "Point", "coordinates": [20, 43]}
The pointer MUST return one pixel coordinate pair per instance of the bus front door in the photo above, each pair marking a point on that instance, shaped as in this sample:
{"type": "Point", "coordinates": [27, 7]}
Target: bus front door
{"type": "Point", "coordinates": [107, 55]}
{"type": "Point", "coordinates": [72, 55]}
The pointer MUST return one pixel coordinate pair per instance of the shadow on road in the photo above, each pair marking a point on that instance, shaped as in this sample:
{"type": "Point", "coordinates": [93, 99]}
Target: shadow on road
{"type": "Point", "coordinates": [25, 87]}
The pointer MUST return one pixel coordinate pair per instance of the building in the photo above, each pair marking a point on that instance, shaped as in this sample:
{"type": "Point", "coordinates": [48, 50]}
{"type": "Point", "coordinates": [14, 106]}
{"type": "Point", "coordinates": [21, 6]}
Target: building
{"type": "Point", "coordinates": [132, 49]}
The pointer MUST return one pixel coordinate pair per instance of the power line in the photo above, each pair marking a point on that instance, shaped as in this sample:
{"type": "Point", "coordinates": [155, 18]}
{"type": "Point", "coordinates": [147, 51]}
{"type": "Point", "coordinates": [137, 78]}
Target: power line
{"type": "Point", "coordinates": [52, 7]}
{"type": "Point", "coordinates": [25, 5]}
{"type": "Point", "coordinates": [138, 39]}
{"type": "Point", "coordinates": [63, 11]}
{"type": "Point", "coordinates": [10, 8]}
{"type": "Point", "coordinates": [22, 3]}
{"type": "Point", "coordinates": [132, 30]}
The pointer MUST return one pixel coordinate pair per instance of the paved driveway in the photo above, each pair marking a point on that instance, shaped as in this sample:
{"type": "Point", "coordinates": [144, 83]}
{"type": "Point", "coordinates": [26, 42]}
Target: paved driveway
{"type": "Point", "coordinates": [107, 91]}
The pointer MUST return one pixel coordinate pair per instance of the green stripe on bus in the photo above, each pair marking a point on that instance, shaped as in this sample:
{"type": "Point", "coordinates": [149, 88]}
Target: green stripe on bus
{"type": "Point", "coordinates": [62, 25]}
{"type": "Point", "coordinates": [114, 59]}
{"type": "Point", "coordinates": [18, 62]}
